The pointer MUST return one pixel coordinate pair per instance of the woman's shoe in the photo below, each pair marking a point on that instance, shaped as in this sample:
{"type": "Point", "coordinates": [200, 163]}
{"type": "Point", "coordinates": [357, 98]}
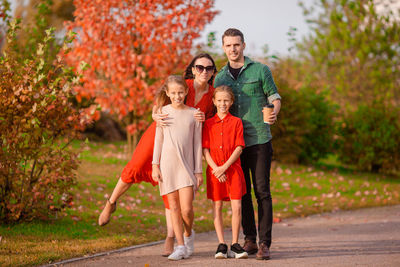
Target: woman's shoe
{"type": "Point", "coordinates": [105, 215]}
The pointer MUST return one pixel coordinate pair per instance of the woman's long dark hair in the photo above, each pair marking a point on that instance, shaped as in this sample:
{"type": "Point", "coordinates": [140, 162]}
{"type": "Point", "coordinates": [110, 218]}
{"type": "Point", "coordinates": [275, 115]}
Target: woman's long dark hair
{"type": "Point", "coordinates": [188, 74]}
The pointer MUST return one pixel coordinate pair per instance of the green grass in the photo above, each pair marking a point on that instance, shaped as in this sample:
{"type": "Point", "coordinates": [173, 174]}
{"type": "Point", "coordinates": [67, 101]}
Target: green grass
{"type": "Point", "coordinates": [296, 191]}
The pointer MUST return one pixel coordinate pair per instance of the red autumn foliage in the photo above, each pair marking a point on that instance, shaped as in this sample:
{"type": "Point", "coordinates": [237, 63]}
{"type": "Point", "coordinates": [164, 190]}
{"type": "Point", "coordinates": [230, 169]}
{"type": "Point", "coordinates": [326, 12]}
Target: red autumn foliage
{"type": "Point", "coordinates": [130, 46]}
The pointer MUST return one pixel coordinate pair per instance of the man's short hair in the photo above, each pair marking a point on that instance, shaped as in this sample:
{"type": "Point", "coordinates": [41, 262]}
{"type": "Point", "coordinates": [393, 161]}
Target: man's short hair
{"type": "Point", "coordinates": [233, 32]}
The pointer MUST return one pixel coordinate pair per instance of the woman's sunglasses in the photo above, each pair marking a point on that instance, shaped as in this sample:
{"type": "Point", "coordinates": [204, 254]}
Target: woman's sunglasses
{"type": "Point", "coordinates": [201, 68]}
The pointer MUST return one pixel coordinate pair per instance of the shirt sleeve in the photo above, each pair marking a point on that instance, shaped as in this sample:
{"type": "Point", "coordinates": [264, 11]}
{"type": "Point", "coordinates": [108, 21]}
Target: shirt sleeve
{"type": "Point", "coordinates": [158, 142]}
{"type": "Point", "coordinates": [206, 136]}
{"type": "Point", "coordinates": [269, 86]}
{"type": "Point", "coordinates": [239, 139]}
{"type": "Point", "coordinates": [198, 151]}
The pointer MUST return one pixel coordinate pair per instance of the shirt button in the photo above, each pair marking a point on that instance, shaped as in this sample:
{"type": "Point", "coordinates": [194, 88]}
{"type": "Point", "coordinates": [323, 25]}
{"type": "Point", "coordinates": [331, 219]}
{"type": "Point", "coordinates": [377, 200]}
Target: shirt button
{"type": "Point", "coordinates": [221, 133]}
{"type": "Point", "coordinates": [220, 147]}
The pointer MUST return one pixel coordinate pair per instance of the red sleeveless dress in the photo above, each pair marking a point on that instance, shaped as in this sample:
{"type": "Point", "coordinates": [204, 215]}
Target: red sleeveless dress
{"type": "Point", "coordinates": [139, 168]}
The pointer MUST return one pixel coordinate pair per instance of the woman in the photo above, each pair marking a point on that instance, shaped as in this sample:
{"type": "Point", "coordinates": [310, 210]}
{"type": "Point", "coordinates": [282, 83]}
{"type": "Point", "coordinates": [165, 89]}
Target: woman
{"type": "Point", "coordinates": [199, 77]}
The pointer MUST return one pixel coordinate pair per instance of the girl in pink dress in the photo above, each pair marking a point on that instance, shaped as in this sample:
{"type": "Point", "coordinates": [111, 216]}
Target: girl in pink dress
{"type": "Point", "coordinates": [177, 161]}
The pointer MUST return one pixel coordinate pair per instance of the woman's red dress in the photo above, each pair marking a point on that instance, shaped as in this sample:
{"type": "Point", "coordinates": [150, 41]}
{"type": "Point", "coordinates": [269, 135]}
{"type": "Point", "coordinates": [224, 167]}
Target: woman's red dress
{"type": "Point", "coordinates": [139, 167]}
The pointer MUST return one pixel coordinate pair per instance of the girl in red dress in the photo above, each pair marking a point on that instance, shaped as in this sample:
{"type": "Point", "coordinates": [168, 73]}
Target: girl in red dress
{"type": "Point", "coordinates": [199, 77]}
{"type": "Point", "coordinates": [222, 145]}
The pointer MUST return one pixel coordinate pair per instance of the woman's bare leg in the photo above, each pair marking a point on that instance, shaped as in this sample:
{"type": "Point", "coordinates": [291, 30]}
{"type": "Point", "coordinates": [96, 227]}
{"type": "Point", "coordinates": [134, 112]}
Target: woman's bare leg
{"type": "Point", "coordinates": [110, 206]}
{"type": "Point", "coordinates": [119, 190]}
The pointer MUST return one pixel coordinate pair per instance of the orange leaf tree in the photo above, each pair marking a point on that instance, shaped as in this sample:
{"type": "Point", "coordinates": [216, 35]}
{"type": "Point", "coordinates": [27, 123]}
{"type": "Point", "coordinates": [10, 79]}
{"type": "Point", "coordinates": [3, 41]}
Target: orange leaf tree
{"type": "Point", "coordinates": [130, 47]}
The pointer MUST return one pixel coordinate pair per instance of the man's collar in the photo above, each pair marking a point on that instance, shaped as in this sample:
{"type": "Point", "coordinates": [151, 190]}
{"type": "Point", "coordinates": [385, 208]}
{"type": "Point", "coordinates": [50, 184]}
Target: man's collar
{"type": "Point", "coordinates": [247, 61]}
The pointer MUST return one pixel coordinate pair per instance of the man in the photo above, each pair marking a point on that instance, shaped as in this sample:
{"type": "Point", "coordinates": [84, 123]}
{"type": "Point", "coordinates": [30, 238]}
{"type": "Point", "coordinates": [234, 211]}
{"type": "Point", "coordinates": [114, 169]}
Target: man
{"type": "Point", "coordinates": [254, 87]}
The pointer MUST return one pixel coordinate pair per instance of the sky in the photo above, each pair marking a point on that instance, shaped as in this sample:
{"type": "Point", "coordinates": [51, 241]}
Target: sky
{"type": "Point", "coordinates": [261, 21]}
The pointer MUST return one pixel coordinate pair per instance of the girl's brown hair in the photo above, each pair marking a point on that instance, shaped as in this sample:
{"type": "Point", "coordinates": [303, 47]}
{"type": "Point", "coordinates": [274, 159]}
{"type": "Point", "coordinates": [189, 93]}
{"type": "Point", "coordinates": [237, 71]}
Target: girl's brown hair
{"type": "Point", "coordinates": [161, 98]}
{"type": "Point", "coordinates": [224, 88]}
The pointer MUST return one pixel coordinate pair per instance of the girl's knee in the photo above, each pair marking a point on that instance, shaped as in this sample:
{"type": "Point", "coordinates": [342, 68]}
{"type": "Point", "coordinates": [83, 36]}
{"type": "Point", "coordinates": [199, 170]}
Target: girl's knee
{"type": "Point", "coordinates": [187, 212]}
{"type": "Point", "coordinates": [174, 206]}
{"type": "Point", "coordinates": [236, 206]}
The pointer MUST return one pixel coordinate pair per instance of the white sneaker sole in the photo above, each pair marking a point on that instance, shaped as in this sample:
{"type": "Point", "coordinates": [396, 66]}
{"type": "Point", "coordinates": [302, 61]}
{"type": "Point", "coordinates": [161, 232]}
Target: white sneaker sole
{"type": "Point", "coordinates": [177, 259]}
{"type": "Point", "coordinates": [221, 255]}
{"type": "Point", "coordinates": [235, 255]}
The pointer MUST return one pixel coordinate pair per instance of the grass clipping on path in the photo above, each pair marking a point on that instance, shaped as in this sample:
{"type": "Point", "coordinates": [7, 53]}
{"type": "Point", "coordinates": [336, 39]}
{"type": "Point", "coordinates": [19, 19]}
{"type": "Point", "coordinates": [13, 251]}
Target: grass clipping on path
{"type": "Point", "coordinates": [296, 191]}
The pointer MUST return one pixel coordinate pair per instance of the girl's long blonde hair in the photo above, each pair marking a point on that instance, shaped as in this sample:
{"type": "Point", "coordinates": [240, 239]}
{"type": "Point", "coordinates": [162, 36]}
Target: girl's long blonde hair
{"type": "Point", "coordinates": [161, 98]}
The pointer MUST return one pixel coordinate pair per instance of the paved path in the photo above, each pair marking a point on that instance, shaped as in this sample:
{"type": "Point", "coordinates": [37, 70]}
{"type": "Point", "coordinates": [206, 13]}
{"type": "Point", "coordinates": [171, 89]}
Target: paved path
{"type": "Point", "coordinates": [366, 237]}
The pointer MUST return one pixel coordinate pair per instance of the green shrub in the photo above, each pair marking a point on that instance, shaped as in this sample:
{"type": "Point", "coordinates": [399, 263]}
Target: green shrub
{"type": "Point", "coordinates": [37, 122]}
{"type": "Point", "coordinates": [305, 128]}
{"type": "Point", "coordinates": [369, 138]}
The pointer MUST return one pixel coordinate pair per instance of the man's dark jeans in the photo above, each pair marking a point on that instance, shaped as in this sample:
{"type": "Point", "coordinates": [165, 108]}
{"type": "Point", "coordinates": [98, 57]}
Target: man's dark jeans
{"type": "Point", "coordinates": [257, 161]}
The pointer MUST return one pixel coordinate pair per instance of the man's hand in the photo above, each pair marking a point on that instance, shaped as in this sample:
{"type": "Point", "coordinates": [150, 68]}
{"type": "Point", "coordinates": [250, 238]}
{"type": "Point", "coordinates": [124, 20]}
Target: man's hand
{"type": "Point", "coordinates": [272, 117]}
{"type": "Point", "coordinates": [156, 173]}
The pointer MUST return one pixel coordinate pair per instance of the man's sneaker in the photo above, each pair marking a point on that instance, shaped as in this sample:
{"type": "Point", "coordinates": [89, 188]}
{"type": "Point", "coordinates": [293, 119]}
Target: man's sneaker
{"type": "Point", "coordinates": [179, 253]}
{"type": "Point", "coordinates": [237, 252]}
{"type": "Point", "coordinates": [250, 246]}
{"type": "Point", "coordinates": [189, 243]}
{"type": "Point", "coordinates": [222, 251]}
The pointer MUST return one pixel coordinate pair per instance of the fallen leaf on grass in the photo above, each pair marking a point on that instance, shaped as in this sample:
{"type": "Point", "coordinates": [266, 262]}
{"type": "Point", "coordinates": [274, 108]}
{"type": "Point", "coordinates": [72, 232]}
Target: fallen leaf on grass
{"type": "Point", "coordinates": [279, 170]}
{"type": "Point", "coordinates": [75, 218]}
